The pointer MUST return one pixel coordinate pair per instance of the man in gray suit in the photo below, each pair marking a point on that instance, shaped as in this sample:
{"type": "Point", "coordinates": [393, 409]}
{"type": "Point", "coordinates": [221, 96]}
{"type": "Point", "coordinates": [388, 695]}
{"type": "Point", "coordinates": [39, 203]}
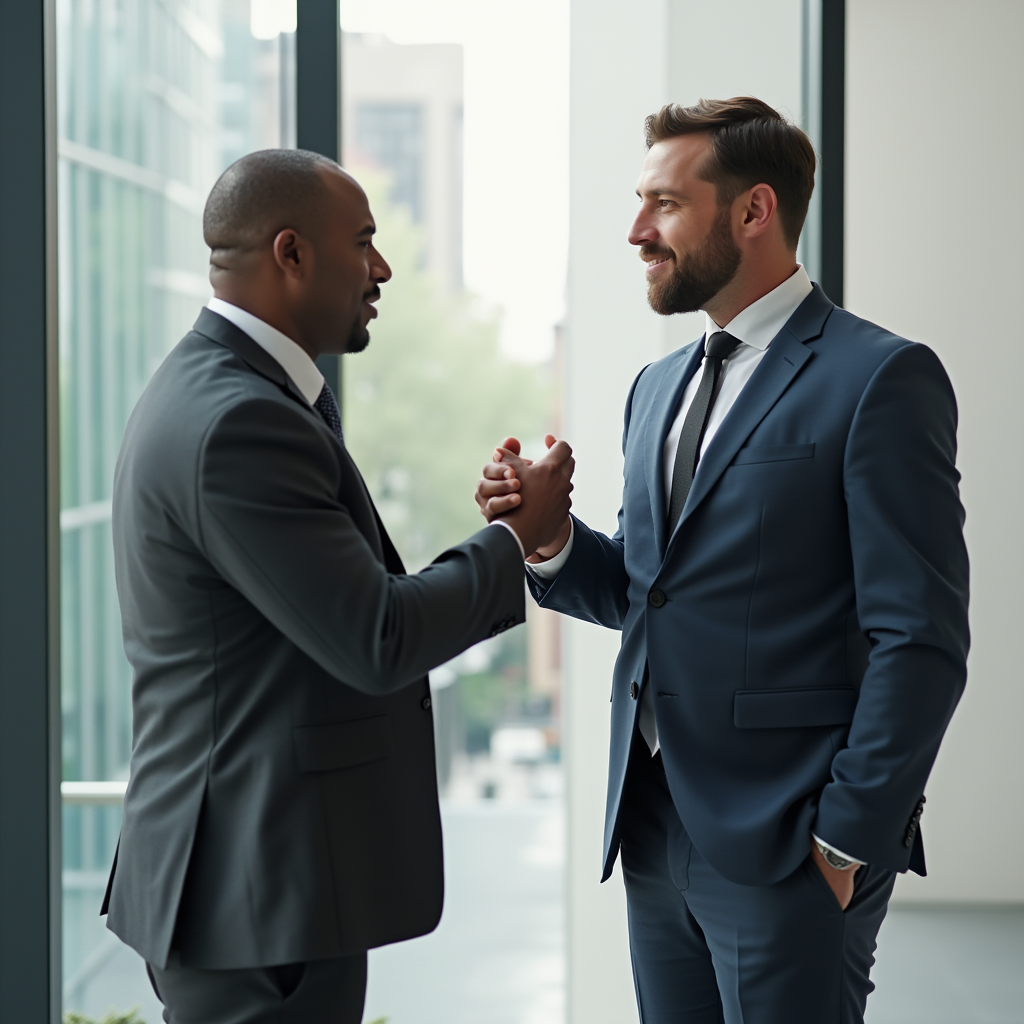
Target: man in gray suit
{"type": "Point", "coordinates": [282, 814]}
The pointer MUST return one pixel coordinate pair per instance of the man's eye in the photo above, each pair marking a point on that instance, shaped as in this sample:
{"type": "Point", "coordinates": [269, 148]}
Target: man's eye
{"type": "Point", "coordinates": [665, 202]}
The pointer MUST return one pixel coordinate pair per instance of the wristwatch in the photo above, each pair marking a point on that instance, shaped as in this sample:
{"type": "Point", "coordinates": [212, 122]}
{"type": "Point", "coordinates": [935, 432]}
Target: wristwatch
{"type": "Point", "coordinates": [833, 860]}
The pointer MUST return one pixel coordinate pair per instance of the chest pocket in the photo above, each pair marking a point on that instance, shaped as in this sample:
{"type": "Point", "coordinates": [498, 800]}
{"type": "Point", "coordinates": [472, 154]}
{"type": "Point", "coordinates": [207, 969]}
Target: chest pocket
{"type": "Point", "coordinates": [773, 453]}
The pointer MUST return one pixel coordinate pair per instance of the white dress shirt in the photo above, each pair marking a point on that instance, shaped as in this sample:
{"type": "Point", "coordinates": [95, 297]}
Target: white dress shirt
{"type": "Point", "coordinates": [293, 359]}
{"type": "Point", "coordinates": [755, 327]}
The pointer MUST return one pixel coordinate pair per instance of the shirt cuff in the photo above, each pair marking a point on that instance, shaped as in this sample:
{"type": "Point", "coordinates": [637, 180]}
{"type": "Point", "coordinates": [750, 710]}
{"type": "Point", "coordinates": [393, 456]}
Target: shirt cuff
{"type": "Point", "coordinates": [838, 853]}
{"type": "Point", "coordinates": [549, 569]}
{"type": "Point", "coordinates": [501, 522]}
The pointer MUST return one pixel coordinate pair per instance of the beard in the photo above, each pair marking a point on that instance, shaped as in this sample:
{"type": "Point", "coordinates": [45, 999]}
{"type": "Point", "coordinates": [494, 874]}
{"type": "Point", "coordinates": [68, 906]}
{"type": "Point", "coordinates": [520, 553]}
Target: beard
{"type": "Point", "coordinates": [702, 273]}
{"type": "Point", "coordinates": [359, 336]}
{"type": "Point", "coordinates": [358, 339]}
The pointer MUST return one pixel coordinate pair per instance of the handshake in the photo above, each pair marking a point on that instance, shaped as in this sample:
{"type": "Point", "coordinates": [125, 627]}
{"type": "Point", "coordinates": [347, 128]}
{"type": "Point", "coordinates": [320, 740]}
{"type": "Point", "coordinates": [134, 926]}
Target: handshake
{"type": "Point", "coordinates": [530, 496]}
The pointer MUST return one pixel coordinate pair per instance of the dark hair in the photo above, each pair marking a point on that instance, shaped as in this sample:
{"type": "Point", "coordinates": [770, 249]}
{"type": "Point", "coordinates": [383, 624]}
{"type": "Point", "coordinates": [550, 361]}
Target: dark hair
{"type": "Point", "coordinates": [262, 193]}
{"type": "Point", "coordinates": [750, 143]}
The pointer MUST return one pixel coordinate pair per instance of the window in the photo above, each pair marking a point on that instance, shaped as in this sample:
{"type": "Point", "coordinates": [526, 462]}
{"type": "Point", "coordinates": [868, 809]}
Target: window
{"type": "Point", "coordinates": [155, 98]}
{"type": "Point", "coordinates": [464, 159]}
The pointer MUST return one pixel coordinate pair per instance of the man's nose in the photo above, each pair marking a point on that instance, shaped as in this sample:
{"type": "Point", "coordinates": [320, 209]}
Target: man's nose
{"type": "Point", "coordinates": [380, 271]}
{"type": "Point", "coordinates": [642, 231]}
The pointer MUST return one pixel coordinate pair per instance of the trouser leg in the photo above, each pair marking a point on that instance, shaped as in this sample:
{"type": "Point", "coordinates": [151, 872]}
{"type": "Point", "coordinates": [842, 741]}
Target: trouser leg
{"type": "Point", "coordinates": [786, 953]}
{"type": "Point", "coordinates": [707, 950]}
{"type": "Point", "coordinates": [672, 968]}
{"type": "Point", "coordinates": [326, 991]}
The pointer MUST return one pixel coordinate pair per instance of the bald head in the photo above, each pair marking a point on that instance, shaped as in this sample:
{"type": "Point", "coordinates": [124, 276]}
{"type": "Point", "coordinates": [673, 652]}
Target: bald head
{"type": "Point", "coordinates": [291, 240]}
{"type": "Point", "coordinates": [263, 193]}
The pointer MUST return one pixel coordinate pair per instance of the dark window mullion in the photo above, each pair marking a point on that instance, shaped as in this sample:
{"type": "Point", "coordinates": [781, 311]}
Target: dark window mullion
{"type": "Point", "coordinates": [30, 849]}
{"type": "Point", "coordinates": [318, 105]}
{"type": "Point", "coordinates": [833, 146]}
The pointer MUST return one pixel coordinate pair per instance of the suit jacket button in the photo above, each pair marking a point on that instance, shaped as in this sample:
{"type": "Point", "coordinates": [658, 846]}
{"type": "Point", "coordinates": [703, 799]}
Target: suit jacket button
{"type": "Point", "coordinates": [425, 704]}
{"type": "Point", "coordinates": [634, 690]}
{"type": "Point", "coordinates": [657, 598]}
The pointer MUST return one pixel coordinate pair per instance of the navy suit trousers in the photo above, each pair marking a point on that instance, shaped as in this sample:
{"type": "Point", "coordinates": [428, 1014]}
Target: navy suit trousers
{"type": "Point", "coordinates": [707, 950]}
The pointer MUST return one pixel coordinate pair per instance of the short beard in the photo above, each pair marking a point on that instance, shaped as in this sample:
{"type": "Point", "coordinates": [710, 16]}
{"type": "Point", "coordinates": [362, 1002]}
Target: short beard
{"type": "Point", "coordinates": [701, 275]}
{"type": "Point", "coordinates": [358, 339]}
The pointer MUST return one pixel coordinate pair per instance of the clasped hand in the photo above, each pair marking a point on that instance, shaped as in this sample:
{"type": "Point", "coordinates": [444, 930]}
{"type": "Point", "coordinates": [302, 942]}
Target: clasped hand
{"type": "Point", "coordinates": [532, 496]}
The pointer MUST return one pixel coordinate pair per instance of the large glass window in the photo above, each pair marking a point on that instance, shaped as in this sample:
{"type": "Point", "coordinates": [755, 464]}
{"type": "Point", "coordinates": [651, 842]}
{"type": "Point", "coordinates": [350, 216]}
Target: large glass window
{"type": "Point", "coordinates": [455, 120]}
{"type": "Point", "coordinates": [464, 155]}
{"type": "Point", "coordinates": [155, 98]}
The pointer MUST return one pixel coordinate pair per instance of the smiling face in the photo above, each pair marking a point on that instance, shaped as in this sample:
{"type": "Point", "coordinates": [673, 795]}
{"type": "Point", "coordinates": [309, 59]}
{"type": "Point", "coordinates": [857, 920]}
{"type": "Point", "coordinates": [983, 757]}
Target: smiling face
{"type": "Point", "coordinates": [684, 236]}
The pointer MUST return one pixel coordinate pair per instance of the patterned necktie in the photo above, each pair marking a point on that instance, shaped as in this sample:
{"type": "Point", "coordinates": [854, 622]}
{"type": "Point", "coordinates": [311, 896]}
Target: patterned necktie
{"type": "Point", "coordinates": [719, 347]}
{"type": "Point", "coordinates": [328, 408]}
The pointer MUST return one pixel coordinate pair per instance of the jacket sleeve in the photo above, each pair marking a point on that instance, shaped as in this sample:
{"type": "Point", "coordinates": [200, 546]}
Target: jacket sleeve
{"type": "Point", "coordinates": [911, 578]}
{"type": "Point", "coordinates": [273, 523]}
{"type": "Point", "coordinates": [593, 585]}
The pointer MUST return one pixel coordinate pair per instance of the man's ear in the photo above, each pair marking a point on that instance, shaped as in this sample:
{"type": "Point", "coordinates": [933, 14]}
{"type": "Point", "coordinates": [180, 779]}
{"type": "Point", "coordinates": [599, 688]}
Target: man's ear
{"type": "Point", "coordinates": [292, 253]}
{"type": "Point", "coordinates": [761, 209]}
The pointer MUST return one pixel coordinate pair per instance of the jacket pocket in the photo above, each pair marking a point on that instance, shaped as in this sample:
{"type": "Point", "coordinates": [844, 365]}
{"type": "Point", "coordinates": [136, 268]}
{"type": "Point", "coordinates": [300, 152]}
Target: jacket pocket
{"type": "Point", "coordinates": [335, 745]}
{"type": "Point", "coordinates": [773, 453]}
{"type": "Point", "coordinates": [794, 709]}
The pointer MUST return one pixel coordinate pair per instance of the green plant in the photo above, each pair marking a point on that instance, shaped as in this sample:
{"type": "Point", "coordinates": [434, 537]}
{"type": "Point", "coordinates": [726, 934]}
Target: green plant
{"type": "Point", "coordinates": [380, 1020]}
{"type": "Point", "coordinates": [114, 1017]}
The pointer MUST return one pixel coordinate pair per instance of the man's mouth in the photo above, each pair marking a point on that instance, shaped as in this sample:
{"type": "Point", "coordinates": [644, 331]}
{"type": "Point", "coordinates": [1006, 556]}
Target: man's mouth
{"type": "Point", "coordinates": [655, 260]}
{"type": "Point", "coordinates": [370, 298]}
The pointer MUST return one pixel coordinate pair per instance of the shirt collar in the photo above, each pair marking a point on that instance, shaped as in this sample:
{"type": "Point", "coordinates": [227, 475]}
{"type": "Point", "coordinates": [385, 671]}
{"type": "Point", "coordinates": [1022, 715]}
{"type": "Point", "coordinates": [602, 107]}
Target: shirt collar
{"type": "Point", "coordinates": [762, 320]}
{"type": "Point", "coordinates": [293, 359]}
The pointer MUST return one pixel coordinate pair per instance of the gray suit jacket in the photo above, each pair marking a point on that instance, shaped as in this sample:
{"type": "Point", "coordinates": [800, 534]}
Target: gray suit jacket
{"type": "Point", "coordinates": [282, 804]}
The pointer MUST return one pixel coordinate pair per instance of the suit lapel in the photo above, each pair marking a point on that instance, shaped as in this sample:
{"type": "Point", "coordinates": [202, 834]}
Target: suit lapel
{"type": "Point", "coordinates": [222, 331]}
{"type": "Point", "coordinates": [784, 359]}
{"type": "Point", "coordinates": [663, 411]}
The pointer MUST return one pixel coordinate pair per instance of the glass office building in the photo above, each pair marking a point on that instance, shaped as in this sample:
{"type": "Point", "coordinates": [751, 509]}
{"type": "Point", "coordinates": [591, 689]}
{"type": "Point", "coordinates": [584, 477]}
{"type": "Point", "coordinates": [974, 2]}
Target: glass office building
{"type": "Point", "coordinates": [155, 98]}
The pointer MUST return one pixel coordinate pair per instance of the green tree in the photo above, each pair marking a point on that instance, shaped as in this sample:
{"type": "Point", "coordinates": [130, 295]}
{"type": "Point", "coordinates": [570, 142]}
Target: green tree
{"type": "Point", "coordinates": [114, 1017]}
{"type": "Point", "coordinates": [431, 396]}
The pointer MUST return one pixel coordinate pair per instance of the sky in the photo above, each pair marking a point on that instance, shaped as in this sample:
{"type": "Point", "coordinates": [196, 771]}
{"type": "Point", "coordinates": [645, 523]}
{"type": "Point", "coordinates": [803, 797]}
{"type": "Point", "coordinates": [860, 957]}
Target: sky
{"type": "Point", "coordinates": [516, 217]}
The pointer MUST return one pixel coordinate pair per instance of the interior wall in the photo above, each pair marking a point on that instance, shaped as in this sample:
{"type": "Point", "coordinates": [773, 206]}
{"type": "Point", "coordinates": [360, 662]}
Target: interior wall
{"type": "Point", "coordinates": [628, 57]}
{"type": "Point", "coordinates": [935, 142]}
{"type": "Point", "coordinates": [610, 335]}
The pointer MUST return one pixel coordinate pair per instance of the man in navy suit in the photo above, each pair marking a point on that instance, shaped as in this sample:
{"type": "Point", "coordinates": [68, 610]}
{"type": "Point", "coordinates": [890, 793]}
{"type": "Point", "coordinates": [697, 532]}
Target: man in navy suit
{"type": "Point", "coordinates": [791, 583]}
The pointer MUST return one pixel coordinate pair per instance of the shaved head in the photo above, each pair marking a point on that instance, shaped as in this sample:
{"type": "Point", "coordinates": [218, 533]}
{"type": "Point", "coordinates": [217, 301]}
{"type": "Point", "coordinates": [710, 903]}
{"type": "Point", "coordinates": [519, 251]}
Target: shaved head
{"type": "Point", "coordinates": [263, 193]}
{"type": "Point", "coordinates": [291, 241]}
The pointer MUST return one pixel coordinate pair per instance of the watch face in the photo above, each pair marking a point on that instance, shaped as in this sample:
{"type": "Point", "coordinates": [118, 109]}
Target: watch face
{"type": "Point", "coordinates": [834, 860]}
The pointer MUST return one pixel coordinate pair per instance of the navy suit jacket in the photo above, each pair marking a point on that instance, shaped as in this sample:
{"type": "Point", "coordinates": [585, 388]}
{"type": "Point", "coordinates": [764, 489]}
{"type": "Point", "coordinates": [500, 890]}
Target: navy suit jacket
{"type": "Point", "coordinates": [804, 628]}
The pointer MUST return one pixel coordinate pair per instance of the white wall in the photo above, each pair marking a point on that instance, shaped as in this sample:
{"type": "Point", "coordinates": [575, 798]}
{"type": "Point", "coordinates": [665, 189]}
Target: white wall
{"type": "Point", "coordinates": [628, 57]}
{"type": "Point", "coordinates": [934, 222]}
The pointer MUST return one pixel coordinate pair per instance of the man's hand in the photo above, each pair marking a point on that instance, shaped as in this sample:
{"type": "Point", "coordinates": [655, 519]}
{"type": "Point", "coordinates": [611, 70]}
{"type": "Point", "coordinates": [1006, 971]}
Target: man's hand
{"type": "Point", "coordinates": [840, 882]}
{"type": "Point", "coordinates": [542, 523]}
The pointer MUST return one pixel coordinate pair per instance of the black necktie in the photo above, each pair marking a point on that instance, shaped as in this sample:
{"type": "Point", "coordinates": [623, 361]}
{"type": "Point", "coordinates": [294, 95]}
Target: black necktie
{"type": "Point", "coordinates": [719, 347]}
{"type": "Point", "coordinates": [328, 408]}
